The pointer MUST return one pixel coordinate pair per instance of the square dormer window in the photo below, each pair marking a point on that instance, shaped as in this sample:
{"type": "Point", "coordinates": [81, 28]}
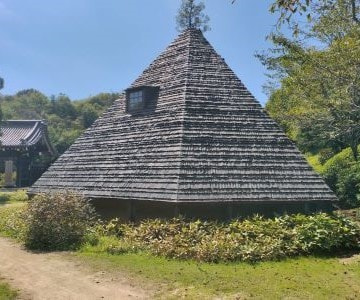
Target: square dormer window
{"type": "Point", "coordinates": [136, 100]}
{"type": "Point", "coordinates": [141, 98]}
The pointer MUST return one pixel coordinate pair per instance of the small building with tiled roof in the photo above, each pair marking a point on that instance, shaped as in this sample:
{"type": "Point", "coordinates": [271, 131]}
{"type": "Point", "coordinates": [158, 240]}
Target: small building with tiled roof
{"type": "Point", "coordinates": [21, 142]}
{"type": "Point", "coordinates": [187, 137]}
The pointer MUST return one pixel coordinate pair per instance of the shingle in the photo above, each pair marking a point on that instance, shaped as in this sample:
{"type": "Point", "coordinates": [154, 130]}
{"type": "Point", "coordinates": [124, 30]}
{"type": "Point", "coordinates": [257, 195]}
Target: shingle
{"type": "Point", "coordinates": [207, 140]}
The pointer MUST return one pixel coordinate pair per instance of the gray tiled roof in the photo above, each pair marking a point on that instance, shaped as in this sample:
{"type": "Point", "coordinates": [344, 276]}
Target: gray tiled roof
{"type": "Point", "coordinates": [207, 140]}
{"type": "Point", "coordinates": [21, 133]}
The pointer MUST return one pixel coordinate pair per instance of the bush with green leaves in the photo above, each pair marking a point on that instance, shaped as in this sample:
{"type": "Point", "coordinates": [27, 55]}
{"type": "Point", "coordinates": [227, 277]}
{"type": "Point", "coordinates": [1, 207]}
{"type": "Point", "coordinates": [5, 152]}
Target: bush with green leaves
{"type": "Point", "coordinates": [18, 196]}
{"type": "Point", "coordinates": [342, 174]}
{"type": "Point", "coordinates": [12, 222]}
{"type": "Point", "coordinates": [251, 240]}
{"type": "Point", "coordinates": [58, 221]}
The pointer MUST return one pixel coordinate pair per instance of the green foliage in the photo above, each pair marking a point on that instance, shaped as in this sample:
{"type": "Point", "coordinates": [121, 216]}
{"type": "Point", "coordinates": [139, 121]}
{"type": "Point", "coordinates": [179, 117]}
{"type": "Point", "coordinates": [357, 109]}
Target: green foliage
{"type": "Point", "coordinates": [314, 161]}
{"type": "Point", "coordinates": [64, 221]}
{"type": "Point", "coordinates": [190, 15]}
{"type": "Point", "coordinates": [342, 174]}
{"type": "Point", "coordinates": [66, 119]}
{"type": "Point", "coordinates": [335, 16]}
{"type": "Point", "coordinates": [297, 278]}
{"type": "Point", "coordinates": [314, 91]}
{"type": "Point", "coordinates": [317, 103]}
{"type": "Point", "coordinates": [18, 196]}
{"type": "Point", "coordinates": [6, 293]}
{"type": "Point", "coordinates": [12, 222]}
{"type": "Point", "coordinates": [325, 154]}
{"type": "Point", "coordinates": [57, 221]}
{"type": "Point", "coordinates": [250, 240]}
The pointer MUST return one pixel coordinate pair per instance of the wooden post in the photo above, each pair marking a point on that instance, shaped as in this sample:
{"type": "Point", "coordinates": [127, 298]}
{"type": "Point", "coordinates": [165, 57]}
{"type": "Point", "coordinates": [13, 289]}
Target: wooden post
{"type": "Point", "coordinates": [9, 169]}
{"type": "Point", "coordinates": [22, 172]}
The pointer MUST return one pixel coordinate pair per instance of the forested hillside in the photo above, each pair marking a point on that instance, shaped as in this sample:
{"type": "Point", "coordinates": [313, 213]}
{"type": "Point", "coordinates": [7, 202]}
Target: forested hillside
{"type": "Point", "coordinates": [66, 119]}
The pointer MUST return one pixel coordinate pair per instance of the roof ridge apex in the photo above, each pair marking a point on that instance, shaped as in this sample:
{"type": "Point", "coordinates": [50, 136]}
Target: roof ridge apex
{"type": "Point", "coordinates": [182, 119]}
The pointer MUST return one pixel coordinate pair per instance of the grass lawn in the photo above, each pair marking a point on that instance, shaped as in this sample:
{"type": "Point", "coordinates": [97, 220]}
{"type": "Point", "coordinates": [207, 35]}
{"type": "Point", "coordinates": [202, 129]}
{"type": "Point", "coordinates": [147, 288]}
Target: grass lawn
{"type": "Point", "coordinates": [297, 278]}
{"type": "Point", "coordinates": [300, 278]}
{"type": "Point", "coordinates": [6, 293]}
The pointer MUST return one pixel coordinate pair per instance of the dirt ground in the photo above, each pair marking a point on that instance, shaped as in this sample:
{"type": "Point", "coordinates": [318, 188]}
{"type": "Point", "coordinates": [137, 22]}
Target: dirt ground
{"type": "Point", "coordinates": [52, 276]}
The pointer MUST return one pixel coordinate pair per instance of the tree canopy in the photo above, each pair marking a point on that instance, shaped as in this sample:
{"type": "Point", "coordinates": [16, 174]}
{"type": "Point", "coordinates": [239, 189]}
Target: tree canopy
{"type": "Point", "coordinates": [288, 10]}
{"type": "Point", "coordinates": [191, 15]}
{"type": "Point", "coordinates": [66, 119]}
{"type": "Point", "coordinates": [314, 91]}
{"type": "Point", "coordinates": [317, 96]}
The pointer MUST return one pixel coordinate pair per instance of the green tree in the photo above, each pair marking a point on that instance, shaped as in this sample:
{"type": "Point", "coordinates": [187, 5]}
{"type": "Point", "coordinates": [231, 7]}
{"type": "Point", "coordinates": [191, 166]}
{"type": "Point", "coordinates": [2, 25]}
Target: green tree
{"type": "Point", "coordinates": [315, 92]}
{"type": "Point", "coordinates": [63, 107]}
{"type": "Point", "coordinates": [318, 102]}
{"type": "Point", "coordinates": [91, 108]}
{"type": "Point", "coordinates": [26, 104]}
{"type": "Point", "coordinates": [66, 119]}
{"type": "Point", "coordinates": [191, 15]}
{"type": "Point", "coordinates": [89, 114]}
{"type": "Point", "coordinates": [287, 9]}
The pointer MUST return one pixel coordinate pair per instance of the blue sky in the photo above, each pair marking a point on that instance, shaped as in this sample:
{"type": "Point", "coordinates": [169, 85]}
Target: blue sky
{"type": "Point", "coordinates": [83, 47]}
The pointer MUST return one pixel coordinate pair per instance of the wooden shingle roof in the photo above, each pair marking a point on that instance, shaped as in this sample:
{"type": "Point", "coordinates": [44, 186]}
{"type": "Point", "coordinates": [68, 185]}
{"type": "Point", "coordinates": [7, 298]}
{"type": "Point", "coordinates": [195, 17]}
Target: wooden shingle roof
{"type": "Point", "coordinates": [208, 139]}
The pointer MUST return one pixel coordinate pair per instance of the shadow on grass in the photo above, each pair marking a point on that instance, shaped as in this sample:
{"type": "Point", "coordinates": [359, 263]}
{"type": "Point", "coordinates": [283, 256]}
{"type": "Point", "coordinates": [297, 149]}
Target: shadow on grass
{"type": "Point", "coordinates": [4, 200]}
{"type": "Point", "coordinates": [336, 254]}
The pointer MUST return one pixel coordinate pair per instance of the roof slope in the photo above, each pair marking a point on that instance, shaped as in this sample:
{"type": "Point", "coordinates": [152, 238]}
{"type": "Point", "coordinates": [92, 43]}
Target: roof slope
{"type": "Point", "coordinates": [207, 140]}
{"type": "Point", "coordinates": [131, 156]}
{"type": "Point", "coordinates": [18, 134]}
{"type": "Point", "coordinates": [232, 150]}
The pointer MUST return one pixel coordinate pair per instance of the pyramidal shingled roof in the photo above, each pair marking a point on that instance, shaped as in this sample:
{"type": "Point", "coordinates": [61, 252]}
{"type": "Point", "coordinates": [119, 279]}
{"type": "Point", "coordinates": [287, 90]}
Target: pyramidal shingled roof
{"type": "Point", "coordinates": [208, 139]}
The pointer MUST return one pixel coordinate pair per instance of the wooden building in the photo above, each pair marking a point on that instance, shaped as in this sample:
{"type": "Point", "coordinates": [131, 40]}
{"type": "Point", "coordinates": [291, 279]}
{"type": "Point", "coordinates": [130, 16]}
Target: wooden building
{"type": "Point", "coordinates": [24, 150]}
{"type": "Point", "coordinates": [188, 138]}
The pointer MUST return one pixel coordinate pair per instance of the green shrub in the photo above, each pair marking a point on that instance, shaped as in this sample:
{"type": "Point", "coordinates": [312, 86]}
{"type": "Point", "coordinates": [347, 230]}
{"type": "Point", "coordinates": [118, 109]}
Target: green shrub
{"type": "Point", "coordinates": [342, 174]}
{"type": "Point", "coordinates": [4, 197]}
{"type": "Point", "coordinates": [348, 186]}
{"type": "Point", "coordinates": [254, 239]}
{"type": "Point", "coordinates": [314, 161]}
{"type": "Point", "coordinates": [322, 233]}
{"type": "Point", "coordinates": [325, 154]}
{"type": "Point", "coordinates": [12, 222]}
{"type": "Point", "coordinates": [58, 221]}
{"type": "Point", "coordinates": [18, 196]}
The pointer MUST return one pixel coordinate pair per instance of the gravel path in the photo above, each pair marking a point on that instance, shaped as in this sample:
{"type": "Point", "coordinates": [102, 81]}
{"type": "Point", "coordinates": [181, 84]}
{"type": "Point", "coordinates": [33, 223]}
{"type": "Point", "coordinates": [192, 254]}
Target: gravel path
{"type": "Point", "coordinates": [52, 276]}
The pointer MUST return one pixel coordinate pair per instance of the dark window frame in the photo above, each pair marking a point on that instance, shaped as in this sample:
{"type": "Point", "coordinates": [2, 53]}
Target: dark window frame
{"type": "Point", "coordinates": [136, 100]}
{"type": "Point", "coordinates": [149, 98]}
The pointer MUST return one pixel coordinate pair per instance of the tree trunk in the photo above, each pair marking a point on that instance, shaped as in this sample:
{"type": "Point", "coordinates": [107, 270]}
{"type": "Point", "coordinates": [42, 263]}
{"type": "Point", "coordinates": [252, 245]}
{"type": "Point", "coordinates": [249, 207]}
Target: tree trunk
{"type": "Point", "coordinates": [354, 149]}
{"type": "Point", "coordinates": [353, 11]}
